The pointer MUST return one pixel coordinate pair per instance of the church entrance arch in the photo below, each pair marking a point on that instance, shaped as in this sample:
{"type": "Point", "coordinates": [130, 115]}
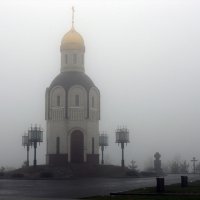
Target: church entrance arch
{"type": "Point", "coordinates": [77, 143]}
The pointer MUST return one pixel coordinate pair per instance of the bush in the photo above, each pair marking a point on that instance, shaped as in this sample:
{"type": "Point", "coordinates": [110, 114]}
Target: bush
{"type": "Point", "coordinates": [2, 174]}
{"type": "Point", "coordinates": [46, 175]}
{"type": "Point", "coordinates": [17, 175]}
{"type": "Point", "coordinates": [132, 173]}
{"type": "Point", "coordinates": [148, 174]}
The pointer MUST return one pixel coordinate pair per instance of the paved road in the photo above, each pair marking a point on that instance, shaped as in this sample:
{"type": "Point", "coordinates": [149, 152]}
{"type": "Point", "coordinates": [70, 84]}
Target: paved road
{"type": "Point", "coordinates": [56, 189]}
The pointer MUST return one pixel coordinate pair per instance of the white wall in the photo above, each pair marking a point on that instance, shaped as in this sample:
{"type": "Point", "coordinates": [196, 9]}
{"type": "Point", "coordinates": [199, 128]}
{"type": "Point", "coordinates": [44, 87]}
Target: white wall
{"type": "Point", "coordinates": [77, 119]}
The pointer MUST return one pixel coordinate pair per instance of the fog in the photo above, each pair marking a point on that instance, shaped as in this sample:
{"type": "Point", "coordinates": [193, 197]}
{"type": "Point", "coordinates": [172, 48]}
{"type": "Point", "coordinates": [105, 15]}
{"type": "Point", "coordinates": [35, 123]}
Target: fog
{"type": "Point", "coordinates": [143, 55]}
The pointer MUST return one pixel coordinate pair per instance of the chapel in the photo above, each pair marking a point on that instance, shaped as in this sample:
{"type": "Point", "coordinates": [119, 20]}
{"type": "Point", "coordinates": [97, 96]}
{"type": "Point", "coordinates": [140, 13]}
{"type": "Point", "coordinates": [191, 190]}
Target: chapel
{"type": "Point", "coordinates": [72, 108]}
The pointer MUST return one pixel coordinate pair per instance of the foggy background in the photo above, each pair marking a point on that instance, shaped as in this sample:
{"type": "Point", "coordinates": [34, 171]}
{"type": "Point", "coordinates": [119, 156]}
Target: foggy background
{"type": "Point", "coordinates": [143, 55]}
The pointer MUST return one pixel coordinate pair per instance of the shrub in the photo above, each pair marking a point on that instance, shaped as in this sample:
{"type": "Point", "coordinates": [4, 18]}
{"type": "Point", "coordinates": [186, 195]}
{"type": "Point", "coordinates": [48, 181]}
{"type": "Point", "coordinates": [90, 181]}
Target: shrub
{"type": "Point", "coordinates": [2, 174]}
{"type": "Point", "coordinates": [148, 174]}
{"type": "Point", "coordinates": [132, 173]}
{"type": "Point", "coordinates": [46, 175]}
{"type": "Point", "coordinates": [17, 175]}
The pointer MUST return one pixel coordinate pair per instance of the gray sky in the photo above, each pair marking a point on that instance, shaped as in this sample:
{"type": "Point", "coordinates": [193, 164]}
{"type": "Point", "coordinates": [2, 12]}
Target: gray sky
{"type": "Point", "coordinates": [143, 55]}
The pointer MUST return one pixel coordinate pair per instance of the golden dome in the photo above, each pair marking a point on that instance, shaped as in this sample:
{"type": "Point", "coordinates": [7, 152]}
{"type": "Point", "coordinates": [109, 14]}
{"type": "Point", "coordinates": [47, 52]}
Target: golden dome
{"type": "Point", "coordinates": [72, 40]}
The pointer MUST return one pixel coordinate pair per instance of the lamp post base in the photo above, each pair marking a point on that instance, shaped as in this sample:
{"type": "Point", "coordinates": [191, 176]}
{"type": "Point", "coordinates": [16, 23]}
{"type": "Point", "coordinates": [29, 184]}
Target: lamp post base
{"type": "Point", "coordinates": [35, 163]}
{"type": "Point", "coordinates": [122, 163]}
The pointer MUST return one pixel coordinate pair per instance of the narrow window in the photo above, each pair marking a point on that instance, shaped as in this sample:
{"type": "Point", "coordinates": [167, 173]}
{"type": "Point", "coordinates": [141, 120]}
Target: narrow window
{"type": "Point", "coordinates": [77, 100]}
{"type": "Point", "coordinates": [74, 59]}
{"type": "Point", "coordinates": [58, 100]}
{"type": "Point", "coordinates": [92, 145]}
{"type": "Point", "coordinates": [82, 59]}
{"type": "Point", "coordinates": [57, 145]}
{"type": "Point", "coordinates": [92, 102]}
{"type": "Point", "coordinates": [66, 59]}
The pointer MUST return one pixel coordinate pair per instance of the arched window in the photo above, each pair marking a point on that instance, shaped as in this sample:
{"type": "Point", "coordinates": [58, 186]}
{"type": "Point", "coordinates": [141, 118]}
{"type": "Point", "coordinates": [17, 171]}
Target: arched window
{"type": "Point", "coordinates": [82, 59]}
{"type": "Point", "coordinates": [66, 58]}
{"type": "Point", "coordinates": [77, 100]}
{"type": "Point", "coordinates": [57, 145]}
{"type": "Point", "coordinates": [58, 101]}
{"type": "Point", "coordinates": [92, 102]}
{"type": "Point", "coordinates": [74, 59]}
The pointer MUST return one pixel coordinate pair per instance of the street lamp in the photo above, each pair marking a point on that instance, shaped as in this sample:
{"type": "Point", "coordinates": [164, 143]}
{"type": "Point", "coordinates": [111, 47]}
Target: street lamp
{"type": "Point", "coordinates": [103, 142]}
{"type": "Point", "coordinates": [26, 143]}
{"type": "Point", "coordinates": [35, 135]}
{"type": "Point", "coordinates": [122, 137]}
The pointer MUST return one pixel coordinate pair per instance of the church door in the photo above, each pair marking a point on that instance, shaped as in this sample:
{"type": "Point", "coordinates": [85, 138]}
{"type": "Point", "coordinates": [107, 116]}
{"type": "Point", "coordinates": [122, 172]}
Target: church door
{"type": "Point", "coordinates": [77, 140]}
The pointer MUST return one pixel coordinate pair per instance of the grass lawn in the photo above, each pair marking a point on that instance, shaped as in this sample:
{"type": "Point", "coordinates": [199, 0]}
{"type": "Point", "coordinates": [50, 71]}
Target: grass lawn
{"type": "Point", "coordinates": [176, 189]}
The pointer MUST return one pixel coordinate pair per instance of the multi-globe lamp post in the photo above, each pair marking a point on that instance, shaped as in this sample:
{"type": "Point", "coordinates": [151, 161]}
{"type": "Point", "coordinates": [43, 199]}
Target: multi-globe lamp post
{"type": "Point", "coordinates": [35, 135]}
{"type": "Point", "coordinates": [122, 137]}
{"type": "Point", "coordinates": [26, 143]}
{"type": "Point", "coordinates": [103, 142]}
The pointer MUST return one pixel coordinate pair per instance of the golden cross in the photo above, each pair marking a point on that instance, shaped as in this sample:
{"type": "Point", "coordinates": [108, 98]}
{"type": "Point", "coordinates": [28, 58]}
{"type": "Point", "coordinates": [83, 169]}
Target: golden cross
{"type": "Point", "coordinates": [72, 16]}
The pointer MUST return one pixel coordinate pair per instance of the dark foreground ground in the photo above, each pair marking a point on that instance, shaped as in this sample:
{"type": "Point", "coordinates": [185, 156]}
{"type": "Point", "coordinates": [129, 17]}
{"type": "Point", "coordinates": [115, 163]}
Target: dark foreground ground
{"type": "Point", "coordinates": [172, 192]}
{"type": "Point", "coordinates": [76, 188]}
{"type": "Point", "coordinates": [69, 171]}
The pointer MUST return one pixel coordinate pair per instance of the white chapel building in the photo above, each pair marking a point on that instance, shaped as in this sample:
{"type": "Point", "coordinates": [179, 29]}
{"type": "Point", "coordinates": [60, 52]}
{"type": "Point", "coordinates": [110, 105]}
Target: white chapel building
{"type": "Point", "coordinates": [72, 108]}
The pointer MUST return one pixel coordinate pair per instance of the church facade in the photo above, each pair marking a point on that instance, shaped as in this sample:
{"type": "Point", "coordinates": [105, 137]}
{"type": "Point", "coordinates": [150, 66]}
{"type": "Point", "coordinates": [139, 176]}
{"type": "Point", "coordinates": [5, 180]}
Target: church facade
{"type": "Point", "coordinates": [72, 108]}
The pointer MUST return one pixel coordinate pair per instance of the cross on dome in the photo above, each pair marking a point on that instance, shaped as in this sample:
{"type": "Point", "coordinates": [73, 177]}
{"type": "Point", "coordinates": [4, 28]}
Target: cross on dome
{"type": "Point", "coordinates": [73, 16]}
{"type": "Point", "coordinates": [72, 39]}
